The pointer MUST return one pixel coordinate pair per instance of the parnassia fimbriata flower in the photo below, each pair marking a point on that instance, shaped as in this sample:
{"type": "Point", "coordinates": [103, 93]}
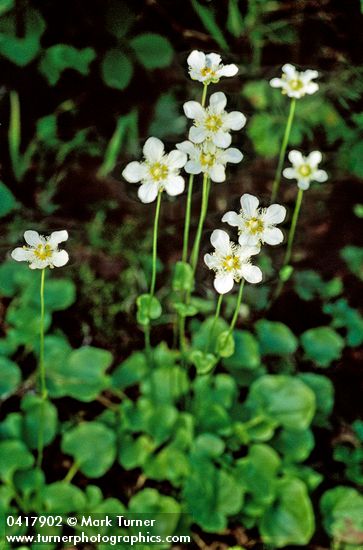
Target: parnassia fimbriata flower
{"type": "Point", "coordinates": [213, 122]}
{"type": "Point", "coordinates": [209, 159]}
{"type": "Point", "coordinates": [42, 252]}
{"type": "Point", "coordinates": [231, 262]}
{"type": "Point", "coordinates": [305, 169]}
{"type": "Point", "coordinates": [158, 172]}
{"type": "Point", "coordinates": [257, 225]}
{"type": "Point", "coordinates": [208, 67]}
{"type": "Point", "coordinates": [294, 83]}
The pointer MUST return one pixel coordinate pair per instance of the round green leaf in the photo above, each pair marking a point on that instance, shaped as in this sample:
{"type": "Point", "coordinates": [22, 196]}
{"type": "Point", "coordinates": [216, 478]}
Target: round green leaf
{"type": "Point", "coordinates": [7, 200]}
{"type": "Point", "coordinates": [342, 509]}
{"type": "Point", "coordinates": [13, 456]}
{"type": "Point", "coordinates": [295, 445]}
{"type": "Point", "coordinates": [37, 414]}
{"type": "Point", "coordinates": [93, 447]}
{"type": "Point", "coordinates": [183, 279]}
{"type": "Point", "coordinates": [290, 520]}
{"type": "Point", "coordinates": [152, 50]}
{"type": "Point", "coordinates": [324, 395]}
{"type": "Point", "coordinates": [116, 69]}
{"type": "Point", "coordinates": [148, 308]}
{"type": "Point", "coordinates": [165, 510]}
{"type": "Point", "coordinates": [322, 345]}
{"type": "Point", "coordinates": [275, 338]}
{"type": "Point", "coordinates": [246, 353]}
{"type": "Point", "coordinates": [10, 377]}
{"type": "Point", "coordinates": [62, 497]}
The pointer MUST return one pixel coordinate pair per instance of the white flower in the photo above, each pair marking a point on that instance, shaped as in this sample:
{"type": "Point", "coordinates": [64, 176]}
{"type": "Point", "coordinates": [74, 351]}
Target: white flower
{"type": "Point", "coordinates": [257, 225]}
{"type": "Point", "coordinates": [294, 83]}
{"type": "Point", "coordinates": [231, 262]}
{"type": "Point", "coordinates": [42, 251]}
{"type": "Point", "coordinates": [305, 169]}
{"type": "Point", "coordinates": [209, 159]}
{"type": "Point", "coordinates": [157, 172]}
{"type": "Point", "coordinates": [208, 67]}
{"type": "Point", "coordinates": [214, 122]}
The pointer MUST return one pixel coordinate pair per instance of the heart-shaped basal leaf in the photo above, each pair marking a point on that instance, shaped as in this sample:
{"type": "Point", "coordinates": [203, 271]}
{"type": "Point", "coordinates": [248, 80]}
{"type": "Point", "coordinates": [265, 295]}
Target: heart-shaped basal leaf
{"type": "Point", "coordinates": [322, 345]}
{"type": "Point", "coordinates": [10, 377]}
{"type": "Point", "coordinates": [165, 384]}
{"type": "Point", "coordinates": [38, 414]}
{"type": "Point", "coordinates": [14, 456]}
{"type": "Point", "coordinates": [283, 399]}
{"type": "Point", "coordinates": [258, 472]}
{"type": "Point", "coordinates": [21, 50]}
{"type": "Point", "coordinates": [225, 344]}
{"type": "Point", "coordinates": [79, 374]}
{"type": "Point", "coordinates": [117, 69]}
{"type": "Point", "coordinates": [59, 57]}
{"type": "Point", "coordinates": [275, 338]}
{"type": "Point", "coordinates": [246, 352]}
{"type": "Point", "coordinates": [148, 309]}
{"type": "Point", "coordinates": [203, 362]}
{"type": "Point", "coordinates": [134, 452]}
{"type": "Point", "coordinates": [130, 372]}
{"type": "Point", "coordinates": [28, 482]}
{"type": "Point", "coordinates": [183, 279]}
{"type": "Point", "coordinates": [92, 446]}
{"type": "Point", "coordinates": [290, 520]}
{"type": "Point", "coordinates": [163, 509]}
{"type": "Point", "coordinates": [63, 498]}
{"type": "Point", "coordinates": [152, 50]}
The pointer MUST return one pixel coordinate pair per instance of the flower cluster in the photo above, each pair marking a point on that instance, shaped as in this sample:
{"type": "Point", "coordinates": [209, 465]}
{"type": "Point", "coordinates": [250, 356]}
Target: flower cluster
{"type": "Point", "coordinates": [256, 226]}
{"type": "Point", "coordinates": [296, 84]}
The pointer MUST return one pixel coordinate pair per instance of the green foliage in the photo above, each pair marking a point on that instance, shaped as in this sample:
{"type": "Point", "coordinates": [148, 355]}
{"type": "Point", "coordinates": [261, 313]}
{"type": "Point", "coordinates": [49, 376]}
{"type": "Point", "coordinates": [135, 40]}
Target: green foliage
{"type": "Point", "coordinates": [322, 345]}
{"type": "Point", "coordinates": [93, 447]}
{"type": "Point", "coordinates": [347, 317]}
{"type": "Point", "coordinates": [117, 69]}
{"type": "Point", "coordinates": [21, 50]}
{"type": "Point", "coordinates": [309, 285]}
{"type": "Point", "coordinates": [13, 456]}
{"type": "Point", "coordinates": [275, 338]}
{"type": "Point", "coordinates": [351, 454]}
{"type": "Point", "coordinates": [246, 352]}
{"type": "Point", "coordinates": [342, 510]}
{"type": "Point", "coordinates": [148, 309]}
{"type": "Point", "coordinates": [38, 416]}
{"type": "Point", "coordinates": [7, 200]}
{"type": "Point", "coordinates": [208, 19]}
{"type": "Point", "coordinates": [353, 257]}
{"type": "Point", "coordinates": [60, 57]}
{"type": "Point", "coordinates": [10, 377]}
{"type": "Point", "coordinates": [152, 50]}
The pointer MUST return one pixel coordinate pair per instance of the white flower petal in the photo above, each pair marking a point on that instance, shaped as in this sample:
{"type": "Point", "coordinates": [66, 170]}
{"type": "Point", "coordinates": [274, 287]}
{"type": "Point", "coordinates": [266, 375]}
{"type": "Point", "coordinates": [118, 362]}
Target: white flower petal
{"type": "Point", "coordinates": [196, 59]}
{"type": "Point", "coordinates": [228, 70]}
{"type": "Point", "coordinates": [247, 239]}
{"type": "Point", "coordinates": [217, 102]}
{"type": "Point", "coordinates": [246, 251]}
{"type": "Point", "coordinates": [133, 172]}
{"type": "Point", "coordinates": [193, 167]}
{"type": "Point", "coordinates": [57, 237]}
{"type": "Point", "coordinates": [197, 134]}
{"type": "Point", "coordinates": [22, 254]}
{"type": "Point", "coordinates": [309, 74]}
{"type": "Point", "coordinates": [251, 273]}
{"type": "Point", "coordinates": [221, 242]}
{"type": "Point", "coordinates": [33, 238]}
{"type": "Point", "coordinates": [249, 204]}
{"type": "Point", "coordinates": [59, 258]}
{"type": "Point", "coordinates": [213, 59]}
{"type": "Point", "coordinates": [303, 184]}
{"type": "Point", "coordinates": [311, 88]}
{"type": "Point", "coordinates": [222, 139]}
{"type": "Point", "coordinates": [223, 282]}
{"type": "Point", "coordinates": [176, 159]}
{"type": "Point", "coordinates": [217, 173]}
{"type": "Point", "coordinates": [275, 213]}
{"type": "Point", "coordinates": [289, 70]}
{"type": "Point", "coordinates": [320, 175]}
{"type": "Point", "coordinates": [290, 174]}
{"type": "Point", "coordinates": [187, 147]}
{"type": "Point", "coordinates": [232, 155]}
{"type": "Point", "coordinates": [174, 185]}
{"type": "Point", "coordinates": [232, 218]}
{"type": "Point", "coordinates": [39, 264]}
{"type": "Point", "coordinates": [314, 158]}
{"type": "Point", "coordinates": [211, 261]}
{"type": "Point", "coordinates": [276, 83]}
{"type": "Point", "coordinates": [194, 110]}
{"type": "Point", "coordinates": [235, 120]}
{"type": "Point", "coordinates": [295, 157]}
{"type": "Point", "coordinates": [273, 236]}
{"type": "Point", "coordinates": [148, 192]}
{"type": "Point", "coordinates": [153, 149]}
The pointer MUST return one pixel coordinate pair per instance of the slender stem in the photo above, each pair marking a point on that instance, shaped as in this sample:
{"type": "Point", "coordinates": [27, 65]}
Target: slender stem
{"type": "Point", "coordinates": [285, 141]}
{"type": "Point", "coordinates": [155, 244]}
{"type": "Point", "coordinates": [71, 472]}
{"type": "Point", "coordinates": [203, 212]}
{"type": "Point", "coordinates": [204, 95]}
{"type": "Point", "coordinates": [187, 218]}
{"type": "Point", "coordinates": [238, 305]}
{"type": "Point", "coordinates": [216, 317]}
{"type": "Point", "coordinates": [43, 386]}
{"type": "Point", "coordinates": [292, 231]}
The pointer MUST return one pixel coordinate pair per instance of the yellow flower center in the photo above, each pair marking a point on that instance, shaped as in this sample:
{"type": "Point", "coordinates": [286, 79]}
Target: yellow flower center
{"type": "Point", "coordinates": [296, 84]}
{"type": "Point", "coordinates": [207, 71]}
{"type": "Point", "coordinates": [43, 251]}
{"type": "Point", "coordinates": [254, 225]}
{"type": "Point", "coordinates": [158, 171]}
{"type": "Point", "coordinates": [304, 170]}
{"type": "Point", "coordinates": [207, 159]}
{"type": "Point", "coordinates": [231, 262]}
{"type": "Point", "coordinates": [213, 123]}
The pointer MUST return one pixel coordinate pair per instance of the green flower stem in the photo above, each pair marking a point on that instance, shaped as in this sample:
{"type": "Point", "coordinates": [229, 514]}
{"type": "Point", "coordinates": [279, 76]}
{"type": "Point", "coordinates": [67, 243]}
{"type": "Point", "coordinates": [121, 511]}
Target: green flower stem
{"type": "Point", "coordinates": [189, 196]}
{"type": "Point", "coordinates": [71, 472]}
{"type": "Point", "coordinates": [187, 218]}
{"type": "Point", "coordinates": [155, 243]}
{"type": "Point", "coordinates": [238, 305]}
{"type": "Point", "coordinates": [43, 386]}
{"type": "Point", "coordinates": [203, 212]}
{"type": "Point", "coordinates": [290, 241]}
{"type": "Point", "coordinates": [216, 317]}
{"type": "Point", "coordinates": [285, 141]}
